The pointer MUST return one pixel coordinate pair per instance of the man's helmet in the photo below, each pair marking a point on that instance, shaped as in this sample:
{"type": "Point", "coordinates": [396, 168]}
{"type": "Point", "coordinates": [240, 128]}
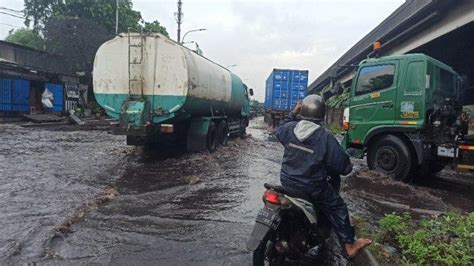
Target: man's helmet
{"type": "Point", "coordinates": [313, 108]}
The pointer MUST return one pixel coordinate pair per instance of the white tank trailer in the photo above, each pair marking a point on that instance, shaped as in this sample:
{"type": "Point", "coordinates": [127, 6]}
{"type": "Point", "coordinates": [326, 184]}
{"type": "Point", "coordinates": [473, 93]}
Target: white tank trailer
{"type": "Point", "coordinates": [160, 91]}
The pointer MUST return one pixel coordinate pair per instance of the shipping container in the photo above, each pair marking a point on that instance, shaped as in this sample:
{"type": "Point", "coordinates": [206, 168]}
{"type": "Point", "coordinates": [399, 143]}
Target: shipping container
{"type": "Point", "coordinates": [284, 88]}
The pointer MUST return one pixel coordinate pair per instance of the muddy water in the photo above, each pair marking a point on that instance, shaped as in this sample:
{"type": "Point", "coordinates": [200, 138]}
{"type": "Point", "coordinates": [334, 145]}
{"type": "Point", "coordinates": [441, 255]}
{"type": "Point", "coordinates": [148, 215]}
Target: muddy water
{"type": "Point", "coordinates": [372, 195]}
{"type": "Point", "coordinates": [85, 197]}
{"type": "Point", "coordinates": [191, 209]}
{"type": "Point", "coordinates": [44, 177]}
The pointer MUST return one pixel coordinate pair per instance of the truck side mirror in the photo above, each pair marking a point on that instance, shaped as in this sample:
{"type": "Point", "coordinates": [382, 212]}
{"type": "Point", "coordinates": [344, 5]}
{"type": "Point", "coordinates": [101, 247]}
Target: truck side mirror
{"type": "Point", "coordinates": [251, 92]}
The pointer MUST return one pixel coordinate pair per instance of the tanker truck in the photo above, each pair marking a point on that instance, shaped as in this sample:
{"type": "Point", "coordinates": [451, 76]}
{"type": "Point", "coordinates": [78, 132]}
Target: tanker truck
{"type": "Point", "coordinates": [161, 91]}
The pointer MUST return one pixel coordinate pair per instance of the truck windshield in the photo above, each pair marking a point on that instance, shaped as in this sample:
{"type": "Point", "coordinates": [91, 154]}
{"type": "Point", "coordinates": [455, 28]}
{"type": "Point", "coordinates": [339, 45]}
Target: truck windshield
{"type": "Point", "coordinates": [374, 78]}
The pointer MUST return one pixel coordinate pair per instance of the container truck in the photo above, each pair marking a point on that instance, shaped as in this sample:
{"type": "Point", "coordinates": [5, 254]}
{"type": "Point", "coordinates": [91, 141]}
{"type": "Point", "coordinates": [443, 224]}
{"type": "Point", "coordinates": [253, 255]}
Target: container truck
{"type": "Point", "coordinates": [283, 89]}
{"type": "Point", "coordinates": [406, 114]}
{"type": "Point", "coordinates": [161, 91]}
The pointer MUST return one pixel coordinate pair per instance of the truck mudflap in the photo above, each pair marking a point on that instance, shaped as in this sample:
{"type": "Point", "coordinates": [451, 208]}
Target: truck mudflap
{"type": "Point", "coordinates": [197, 133]}
{"type": "Point", "coordinates": [134, 119]}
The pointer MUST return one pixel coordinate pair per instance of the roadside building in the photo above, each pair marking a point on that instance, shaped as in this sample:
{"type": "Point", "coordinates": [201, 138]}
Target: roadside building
{"type": "Point", "coordinates": [26, 73]}
{"type": "Point", "coordinates": [443, 29]}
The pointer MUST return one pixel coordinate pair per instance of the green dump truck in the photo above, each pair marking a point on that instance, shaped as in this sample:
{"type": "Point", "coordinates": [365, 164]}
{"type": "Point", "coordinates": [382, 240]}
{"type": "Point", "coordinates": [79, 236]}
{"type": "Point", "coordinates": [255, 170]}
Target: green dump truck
{"type": "Point", "coordinates": [406, 115]}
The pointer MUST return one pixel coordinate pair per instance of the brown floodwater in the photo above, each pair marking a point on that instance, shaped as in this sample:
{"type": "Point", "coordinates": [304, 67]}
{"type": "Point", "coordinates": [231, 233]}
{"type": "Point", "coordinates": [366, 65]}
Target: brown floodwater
{"type": "Point", "coordinates": [69, 195]}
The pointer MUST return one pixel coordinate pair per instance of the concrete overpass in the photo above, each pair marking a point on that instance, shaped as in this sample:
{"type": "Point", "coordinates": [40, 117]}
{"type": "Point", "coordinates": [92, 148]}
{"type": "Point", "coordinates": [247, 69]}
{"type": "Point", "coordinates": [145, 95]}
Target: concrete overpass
{"type": "Point", "coordinates": [443, 29]}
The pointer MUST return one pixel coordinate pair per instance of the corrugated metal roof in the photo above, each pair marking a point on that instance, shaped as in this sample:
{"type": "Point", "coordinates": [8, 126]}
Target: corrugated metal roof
{"type": "Point", "coordinates": [16, 45]}
{"type": "Point", "coordinates": [406, 15]}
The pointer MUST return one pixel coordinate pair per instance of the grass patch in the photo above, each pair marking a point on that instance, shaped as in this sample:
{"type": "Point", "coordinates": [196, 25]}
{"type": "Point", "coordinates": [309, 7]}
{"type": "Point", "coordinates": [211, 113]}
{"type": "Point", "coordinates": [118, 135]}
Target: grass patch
{"type": "Point", "coordinates": [445, 240]}
{"type": "Point", "coordinates": [365, 230]}
{"type": "Point", "coordinates": [399, 239]}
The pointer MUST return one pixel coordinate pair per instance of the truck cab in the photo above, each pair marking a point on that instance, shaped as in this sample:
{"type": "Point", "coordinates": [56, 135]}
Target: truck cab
{"type": "Point", "coordinates": [405, 114]}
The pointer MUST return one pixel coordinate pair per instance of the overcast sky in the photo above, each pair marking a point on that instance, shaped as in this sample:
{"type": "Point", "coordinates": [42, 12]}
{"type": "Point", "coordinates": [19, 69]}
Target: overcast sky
{"type": "Point", "coordinates": [259, 35]}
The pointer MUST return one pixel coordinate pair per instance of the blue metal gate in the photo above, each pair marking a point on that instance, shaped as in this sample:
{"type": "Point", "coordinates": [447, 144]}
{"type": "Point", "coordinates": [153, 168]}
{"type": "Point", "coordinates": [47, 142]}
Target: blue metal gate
{"type": "Point", "coordinates": [20, 95]}
{"type": "Point", "coordinates": [58, 96]}
{"type": "Point", "coordinates": [5, 95]}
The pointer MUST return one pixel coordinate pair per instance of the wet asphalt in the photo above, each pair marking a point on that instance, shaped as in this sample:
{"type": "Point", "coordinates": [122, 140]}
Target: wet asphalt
{"type": "Point", "coordinates": [82, 196]}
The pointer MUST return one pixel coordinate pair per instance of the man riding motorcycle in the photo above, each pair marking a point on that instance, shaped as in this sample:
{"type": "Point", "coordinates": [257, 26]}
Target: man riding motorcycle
{"type": "Point", "coordinates": [312, 155]}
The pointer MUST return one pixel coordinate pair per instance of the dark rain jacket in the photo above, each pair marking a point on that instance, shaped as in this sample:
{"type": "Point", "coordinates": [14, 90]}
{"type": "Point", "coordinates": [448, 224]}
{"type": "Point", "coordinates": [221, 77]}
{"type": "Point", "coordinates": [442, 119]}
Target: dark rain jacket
{"type": "Point", "coordinates": [311, 155]}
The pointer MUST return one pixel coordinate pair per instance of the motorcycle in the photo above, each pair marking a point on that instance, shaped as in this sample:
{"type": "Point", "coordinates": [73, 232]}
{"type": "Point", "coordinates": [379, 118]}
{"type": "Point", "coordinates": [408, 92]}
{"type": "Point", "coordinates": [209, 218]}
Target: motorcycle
{"type": "Point", "coordinates": [289, 230]}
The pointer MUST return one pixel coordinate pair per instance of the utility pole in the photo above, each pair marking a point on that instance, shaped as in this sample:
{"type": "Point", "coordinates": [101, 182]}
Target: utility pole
{"type": "Point", "coordinates": [116, 16]}
{"type": "Point", "coordinates": [179, 15]}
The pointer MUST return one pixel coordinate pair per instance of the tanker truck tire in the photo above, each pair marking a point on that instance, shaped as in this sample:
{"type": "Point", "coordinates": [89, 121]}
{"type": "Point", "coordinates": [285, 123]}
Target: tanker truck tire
{"type": "Point", "coordinates": [222, 133]}
{"type": "Point", "coordinates": [243, 127]}
{"type": "Point", "coordinates": [390, 156]}
{"type": "Point", "coordinates": [211, 139]}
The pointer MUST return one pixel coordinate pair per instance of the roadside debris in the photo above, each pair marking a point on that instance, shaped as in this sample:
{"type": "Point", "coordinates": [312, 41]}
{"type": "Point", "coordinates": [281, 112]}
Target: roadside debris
{"type": "Point", "coordinates": [43, 118]}
{"type": "Point", "coordinates": [106, 196]}
{"type": "Point", "coordinates": [74, 118]}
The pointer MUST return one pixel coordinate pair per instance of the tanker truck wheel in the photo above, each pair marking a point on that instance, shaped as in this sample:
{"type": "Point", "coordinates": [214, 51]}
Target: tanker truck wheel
{"type": "Point", "coordinates": [211, 139]}
{"type": "Point", "coordinates": [243, 127]}
{"type": "Point", "coordinates": [223, 133]}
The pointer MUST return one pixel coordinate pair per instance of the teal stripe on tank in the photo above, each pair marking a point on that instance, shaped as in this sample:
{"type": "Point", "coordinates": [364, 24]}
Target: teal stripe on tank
{"type": "Point", "coordinates": [113, 102]}
{"type": "Point", "coordinates": [238, 95]}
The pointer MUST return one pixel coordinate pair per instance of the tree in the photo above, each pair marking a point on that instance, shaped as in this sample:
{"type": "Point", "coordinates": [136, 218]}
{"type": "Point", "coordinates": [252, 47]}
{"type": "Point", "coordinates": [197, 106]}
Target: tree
{"type": "Point", "coordinates": [76, 28]}
{"type": "Point", "coordinates": [102, 12]}
{"type": "Point", "coordinates": [26, 37]}
{"type": "Point", "coordinates": [38, 12]}
{"type": "Point", "coordinates": [79, 45]}
{"type": "Point", "coordinates": [155, 26]}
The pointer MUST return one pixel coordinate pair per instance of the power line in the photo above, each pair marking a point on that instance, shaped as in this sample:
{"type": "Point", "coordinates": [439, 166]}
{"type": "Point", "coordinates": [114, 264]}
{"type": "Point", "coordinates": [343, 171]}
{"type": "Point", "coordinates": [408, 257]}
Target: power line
{"type": "Point", "coordinates": [6, 24]}
{"type": "Point", "coordinates": [12, 10]}
{"type": "Point", "coordinates": [8, 14]}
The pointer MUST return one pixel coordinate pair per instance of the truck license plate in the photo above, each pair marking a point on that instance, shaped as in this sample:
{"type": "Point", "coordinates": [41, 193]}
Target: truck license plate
{"type": "Point", "coordinates": [446, 152]}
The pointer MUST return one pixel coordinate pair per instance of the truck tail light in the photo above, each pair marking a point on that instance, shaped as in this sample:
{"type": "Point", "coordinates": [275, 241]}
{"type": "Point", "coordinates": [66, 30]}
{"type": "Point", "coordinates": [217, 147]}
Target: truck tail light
{"type": "Point", "coordinates": [345, 119]}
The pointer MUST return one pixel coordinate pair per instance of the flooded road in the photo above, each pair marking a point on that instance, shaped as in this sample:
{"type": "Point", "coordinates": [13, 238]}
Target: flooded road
{"type": "Point", "coordinates": [85, 197]}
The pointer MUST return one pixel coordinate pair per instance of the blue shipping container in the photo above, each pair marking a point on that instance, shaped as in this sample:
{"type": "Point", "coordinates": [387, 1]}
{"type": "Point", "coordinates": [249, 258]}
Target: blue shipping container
{"type": "Point", "coordinates": [284, 88]}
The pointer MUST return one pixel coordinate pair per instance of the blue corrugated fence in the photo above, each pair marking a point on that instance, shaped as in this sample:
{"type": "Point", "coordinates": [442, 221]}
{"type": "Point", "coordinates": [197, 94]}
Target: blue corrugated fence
{"type": "Point", "coordinates": [20, 95]}
{"type": "Point", "coordinates": [14, 95]}
{"type": "Point", "coordinates": [5, 95]}
{"type": "Point", "coordinates": [58, 96]}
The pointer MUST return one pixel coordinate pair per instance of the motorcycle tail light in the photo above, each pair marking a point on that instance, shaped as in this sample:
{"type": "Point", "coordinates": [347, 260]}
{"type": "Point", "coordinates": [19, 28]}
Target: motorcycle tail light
{"type": "Point", "coordinates": [271, 197]}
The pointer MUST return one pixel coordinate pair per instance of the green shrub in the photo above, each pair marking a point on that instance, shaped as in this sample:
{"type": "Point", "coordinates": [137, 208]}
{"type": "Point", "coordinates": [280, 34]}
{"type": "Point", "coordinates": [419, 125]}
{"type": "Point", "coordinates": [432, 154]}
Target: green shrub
{"type": "Point", "coordinates": [445, 240]}
{"type": "Point", "coordinates": [338, 100]}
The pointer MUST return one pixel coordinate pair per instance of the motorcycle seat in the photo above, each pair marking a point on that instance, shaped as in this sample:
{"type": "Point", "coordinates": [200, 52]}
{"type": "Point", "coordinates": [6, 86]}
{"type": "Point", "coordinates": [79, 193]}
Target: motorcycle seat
{"type": "Point", "coordinates": [288, 191]}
